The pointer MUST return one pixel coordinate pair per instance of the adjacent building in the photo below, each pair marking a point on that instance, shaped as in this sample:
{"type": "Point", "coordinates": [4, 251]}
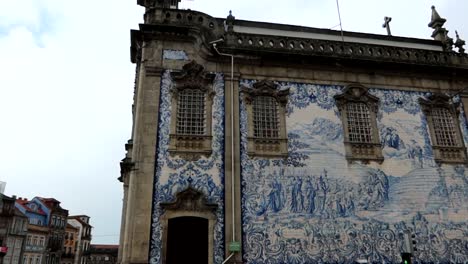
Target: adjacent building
{"type": "Point", "coordinates": [36, 244]}
{"type": "Point", "coordinates": [260, 142]}
{"type": "Point", "coordinates": [56, 221]}
{"type": "Point", "coordinates": [46, 232]}
{"type": "Point", "coordinates": [83, 241]}
{"type": "Point", "coordinates": [13, 230]}
{"type": "Point", "coordinates": [102, 254]}
{"type": "Point", "coordinates": [70, 245]}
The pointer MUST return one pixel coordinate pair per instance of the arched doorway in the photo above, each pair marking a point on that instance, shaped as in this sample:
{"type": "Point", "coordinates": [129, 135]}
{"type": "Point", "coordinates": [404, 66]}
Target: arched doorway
{"type": "Point", "coordinates": [188, 225]}
{"type": "Point", "coordinates": [187, 240]}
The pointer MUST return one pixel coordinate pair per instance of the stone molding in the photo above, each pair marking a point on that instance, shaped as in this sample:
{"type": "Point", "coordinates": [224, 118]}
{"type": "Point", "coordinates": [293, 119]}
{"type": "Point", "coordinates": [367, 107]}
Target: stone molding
{"type": "Point", "coordinates": [359, 151]}
{"type": "Point", "coordinates": [211, 29]}
{"type": "Point", "coordinates": [444, 154]}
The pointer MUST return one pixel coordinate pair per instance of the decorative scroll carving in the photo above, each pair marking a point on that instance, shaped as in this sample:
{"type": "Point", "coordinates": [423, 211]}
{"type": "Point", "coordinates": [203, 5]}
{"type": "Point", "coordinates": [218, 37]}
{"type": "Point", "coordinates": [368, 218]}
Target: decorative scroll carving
{"type": "Point", "coordinates": [193, 75]}
{"type": "Point", "coordinates": [444, 154]}
{"type": "Point", "coordinates": [363, 151]}
{"type": "Point", "coordinates": [267, 88]}
{"type": "Point", "coordinates": [190, 200]}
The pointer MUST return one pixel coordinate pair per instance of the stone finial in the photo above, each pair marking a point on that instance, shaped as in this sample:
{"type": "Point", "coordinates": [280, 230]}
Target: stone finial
{"type": "Point", "coordinates": [459, 43]}
{"type": "Point", "coordinates": [229, 24]}
{"type": "Point", "coordinates": [440, 33]}
{"type": "Point", "coordinates": [436, 20]}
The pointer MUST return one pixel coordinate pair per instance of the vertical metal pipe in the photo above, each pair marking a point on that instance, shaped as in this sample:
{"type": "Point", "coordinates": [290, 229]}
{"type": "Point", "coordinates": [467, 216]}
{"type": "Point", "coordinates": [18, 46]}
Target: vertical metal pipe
{"type": "Point", "coordinates": [233, 203]}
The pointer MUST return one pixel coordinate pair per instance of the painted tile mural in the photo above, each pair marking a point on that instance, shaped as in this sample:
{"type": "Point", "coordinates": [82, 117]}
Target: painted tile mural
{"type": "Point", "coordinates": [174, 175]}
{"type": "Point", "coordinates": [314, 207]}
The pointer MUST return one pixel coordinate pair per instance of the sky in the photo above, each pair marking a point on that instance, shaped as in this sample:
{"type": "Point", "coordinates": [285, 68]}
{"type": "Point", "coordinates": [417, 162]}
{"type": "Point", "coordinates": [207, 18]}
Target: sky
{"type": "Point", "coordinates": [66, 85]}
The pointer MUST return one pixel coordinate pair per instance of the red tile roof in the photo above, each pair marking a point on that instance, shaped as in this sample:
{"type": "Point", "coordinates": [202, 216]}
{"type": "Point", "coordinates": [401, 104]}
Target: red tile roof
{"type": "Point", "coordinates": [49, 201]}
{"type": "Point", "coordinates": [24, 204]}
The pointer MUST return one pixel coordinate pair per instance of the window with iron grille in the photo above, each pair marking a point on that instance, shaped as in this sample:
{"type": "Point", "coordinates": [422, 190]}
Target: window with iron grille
{"type": "Point", "coordinates": [444, 127]}
{"type": "Point", "coordinates": [359, 123]}
{"type": "Point", "coordinates": [191, 112]}
{"type": "Point", "coordinates": [358, 110]}
{"type": "Point", "coordinates": [265, 117]}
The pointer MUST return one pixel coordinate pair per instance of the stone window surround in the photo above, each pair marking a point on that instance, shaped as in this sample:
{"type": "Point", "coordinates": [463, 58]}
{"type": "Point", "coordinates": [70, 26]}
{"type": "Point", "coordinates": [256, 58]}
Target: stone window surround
{"type": "Point", "coordinates": [188, 203]}
{"type": "Point", "coordinates": [357, 151]}
{"type": "Point", "coordinates": [192, 147]}
{"type": "Point", "coordinates": [266, 147]}
{"type": "Point", "coordinates": [444, 154]}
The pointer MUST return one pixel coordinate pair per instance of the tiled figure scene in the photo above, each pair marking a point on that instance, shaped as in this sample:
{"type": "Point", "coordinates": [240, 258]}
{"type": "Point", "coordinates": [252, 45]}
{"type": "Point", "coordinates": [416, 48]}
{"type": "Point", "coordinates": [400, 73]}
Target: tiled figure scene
{"type": "Point", "coordinates": [316, 207]}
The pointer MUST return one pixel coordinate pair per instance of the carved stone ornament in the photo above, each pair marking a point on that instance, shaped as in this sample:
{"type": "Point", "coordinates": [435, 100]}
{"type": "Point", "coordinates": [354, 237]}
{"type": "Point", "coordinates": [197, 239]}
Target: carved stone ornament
{"type": "Point", "coordinates": [266, 88]}
{"type": "Point", "coordinates": [193, 75]}
{"type": "Point", "coordinates": [190, 200]}
{"type": "Point", "coordinates": [438, 100]}
{"type": "Point", "coordinates": [357, 93]}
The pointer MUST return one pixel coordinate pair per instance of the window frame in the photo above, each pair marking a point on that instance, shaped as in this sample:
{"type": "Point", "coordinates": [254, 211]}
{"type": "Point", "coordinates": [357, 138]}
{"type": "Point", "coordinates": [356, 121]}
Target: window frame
{"type": "Point", "coordinates": [191, 147]}
{"type": "Point", "coordinates": [354, 150]}
{"type": "Point", "coordinates": [444, 154]}
{"type": "Point", "coordinates": [268, 147]}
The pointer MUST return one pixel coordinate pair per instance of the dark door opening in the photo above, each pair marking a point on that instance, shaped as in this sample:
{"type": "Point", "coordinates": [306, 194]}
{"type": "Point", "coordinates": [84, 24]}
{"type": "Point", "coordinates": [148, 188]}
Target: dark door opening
{"type": "Point", "coordinates": [187, 240]}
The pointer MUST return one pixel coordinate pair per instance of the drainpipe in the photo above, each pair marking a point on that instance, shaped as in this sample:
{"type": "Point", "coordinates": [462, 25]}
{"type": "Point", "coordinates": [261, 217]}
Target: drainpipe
{"type": "Point", "coordinates": [232, 144]}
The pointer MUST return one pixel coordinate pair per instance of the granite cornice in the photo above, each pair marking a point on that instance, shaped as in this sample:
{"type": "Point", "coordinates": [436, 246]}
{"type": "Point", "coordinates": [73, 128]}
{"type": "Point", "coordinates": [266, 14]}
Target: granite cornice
{"type": "Point", "coordinates": [246, 43]}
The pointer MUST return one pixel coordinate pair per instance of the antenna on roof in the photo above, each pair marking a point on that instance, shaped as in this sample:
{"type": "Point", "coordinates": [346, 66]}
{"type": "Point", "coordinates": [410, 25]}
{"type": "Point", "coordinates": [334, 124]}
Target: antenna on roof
{"type": "Point", "coordinates": [339, 16]}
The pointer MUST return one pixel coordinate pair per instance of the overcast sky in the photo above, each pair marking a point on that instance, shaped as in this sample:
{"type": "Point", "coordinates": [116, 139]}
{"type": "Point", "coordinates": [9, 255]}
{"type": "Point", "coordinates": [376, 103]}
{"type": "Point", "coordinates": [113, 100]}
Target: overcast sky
{"type": "Point", "coordinates": [66, 85]}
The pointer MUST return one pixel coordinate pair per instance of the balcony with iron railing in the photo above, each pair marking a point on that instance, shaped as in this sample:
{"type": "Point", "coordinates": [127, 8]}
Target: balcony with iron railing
{"type": "Point", "coordinates": [34, 248]}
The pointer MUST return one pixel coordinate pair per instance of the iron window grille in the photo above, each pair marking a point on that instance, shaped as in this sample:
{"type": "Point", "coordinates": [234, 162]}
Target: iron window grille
{"type": "Point", "coordinates": [359, 123]}
{"type": "Point", "coordinates": [191, 112]}
{"type": "Point", "coordinates": [265, 113]}
{"type": "Point", "coordinates": [444, 127]}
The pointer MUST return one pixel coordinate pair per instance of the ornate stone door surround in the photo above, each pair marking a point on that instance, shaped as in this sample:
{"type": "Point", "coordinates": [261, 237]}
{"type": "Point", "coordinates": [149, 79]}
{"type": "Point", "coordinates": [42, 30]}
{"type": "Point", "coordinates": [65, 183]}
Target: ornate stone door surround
{"type": "Point", "coordinates": [189, 203]}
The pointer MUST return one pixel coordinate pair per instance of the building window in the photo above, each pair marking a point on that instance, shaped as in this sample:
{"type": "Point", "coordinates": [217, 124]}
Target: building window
{"type": "Point", "coordinates": [191, 112]}
{"type": "Point", "coordinates": [266, 117]}
{"type": "Point", "coordinates": [359, 123]}
{"type": "Point", "coordinates": [358, 111]}
{"type": "Point", "coordinates": [192, 100]}
{"type": "Point", "coordinates": [444, 128]}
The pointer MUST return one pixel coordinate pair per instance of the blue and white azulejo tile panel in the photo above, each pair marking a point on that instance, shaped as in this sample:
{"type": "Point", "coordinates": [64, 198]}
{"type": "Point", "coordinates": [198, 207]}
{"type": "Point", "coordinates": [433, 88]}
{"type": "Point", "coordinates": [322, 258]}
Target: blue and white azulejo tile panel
{"type": "Point", "coordinates": [315, 207]}
{"type": "Point", "coordinates": [174, 175]}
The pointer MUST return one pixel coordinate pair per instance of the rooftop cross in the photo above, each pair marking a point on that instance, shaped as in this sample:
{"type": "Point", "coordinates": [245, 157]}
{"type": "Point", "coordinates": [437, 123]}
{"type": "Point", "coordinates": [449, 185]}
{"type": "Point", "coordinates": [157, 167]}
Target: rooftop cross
{"type": "Point", "coordinates": [386, 25]}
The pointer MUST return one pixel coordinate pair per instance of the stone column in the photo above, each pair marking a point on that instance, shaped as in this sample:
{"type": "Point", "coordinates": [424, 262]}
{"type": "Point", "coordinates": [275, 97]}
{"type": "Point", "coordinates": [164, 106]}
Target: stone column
{"type": "Point", "coordinates": [136, 241]}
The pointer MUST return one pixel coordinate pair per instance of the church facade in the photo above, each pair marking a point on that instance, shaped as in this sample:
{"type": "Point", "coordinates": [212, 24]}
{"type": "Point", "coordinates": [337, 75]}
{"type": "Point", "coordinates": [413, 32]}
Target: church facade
{"type": "Point", "coordinates": [268, 143]}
